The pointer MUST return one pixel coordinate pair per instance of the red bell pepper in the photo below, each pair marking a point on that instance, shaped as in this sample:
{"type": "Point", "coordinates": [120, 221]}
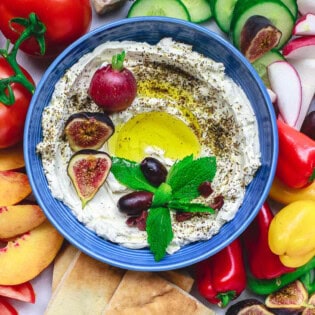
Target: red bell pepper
{"type": "Point", "coordinates": [222, 277]}
{"type": "Point", "coordinates": [296, 160]}
{"type": "Point", "coordinates": [262, 262]}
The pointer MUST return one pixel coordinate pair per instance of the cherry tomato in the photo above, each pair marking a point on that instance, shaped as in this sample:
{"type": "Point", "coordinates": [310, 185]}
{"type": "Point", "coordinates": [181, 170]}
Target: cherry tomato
{"type": "Point", "coordinates": [65, 20]}
{"type": "Point", "coordinates": [12, 118]}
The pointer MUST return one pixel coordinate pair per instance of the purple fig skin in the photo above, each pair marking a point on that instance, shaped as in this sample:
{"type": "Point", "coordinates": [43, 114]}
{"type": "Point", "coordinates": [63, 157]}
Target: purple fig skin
{"type": "Point", "coordinates": [88, 170]}
{"type": "Point", "coordinates": [87, 130]}
{"type": "Point", "coordinates": [258, 36]}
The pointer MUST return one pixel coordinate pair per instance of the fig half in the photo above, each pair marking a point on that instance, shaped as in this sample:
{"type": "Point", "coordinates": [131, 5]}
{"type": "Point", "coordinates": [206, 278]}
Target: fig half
{"type": "Point", "coordinates": [87, 130]}
{"type": "Point", "coordinates": [292, 297]}
{"type": "Point", "coordinates": [248, 306]}
{"type": "Point", "coordinates": [258, 36]}
{"type": "Point", "coordinates": [310, 307]}
{"type": "Point", "coordinates": [88, 170]}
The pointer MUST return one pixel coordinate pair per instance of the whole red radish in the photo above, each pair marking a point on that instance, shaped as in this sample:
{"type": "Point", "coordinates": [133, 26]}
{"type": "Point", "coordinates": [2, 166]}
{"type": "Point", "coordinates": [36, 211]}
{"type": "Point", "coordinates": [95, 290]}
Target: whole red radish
{"type": "Point", "coordinates": [113, 87]}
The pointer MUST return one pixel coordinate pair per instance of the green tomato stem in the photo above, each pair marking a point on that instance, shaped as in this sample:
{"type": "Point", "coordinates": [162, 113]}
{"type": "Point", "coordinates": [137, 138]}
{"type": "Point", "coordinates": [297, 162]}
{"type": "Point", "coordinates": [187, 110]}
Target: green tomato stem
{"type": "Point", "coordinates": [33, 27]}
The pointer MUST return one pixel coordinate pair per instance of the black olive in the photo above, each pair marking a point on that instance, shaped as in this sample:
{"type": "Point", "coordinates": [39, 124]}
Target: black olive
{"type": "Point", "coordinates": [154, 171]}
{"type": "Point", "coordinates": [136, 202]}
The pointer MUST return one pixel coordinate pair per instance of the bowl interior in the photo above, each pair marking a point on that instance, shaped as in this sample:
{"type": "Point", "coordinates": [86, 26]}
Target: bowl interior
{"type": "Point", "coordinates": [151, 30]}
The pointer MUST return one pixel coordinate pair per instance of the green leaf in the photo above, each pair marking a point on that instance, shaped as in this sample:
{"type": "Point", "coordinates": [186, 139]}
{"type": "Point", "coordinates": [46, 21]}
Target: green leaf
{"type": "Point", "coordinates": [189, 207]}
{"type": "Point", "coordinates": [186, 175]}
{"type": "Point", "coordinates": [159, 230]}
{"type": "Point", "coordinates": [129, 174]}
{"type": "Point", "coordinates": [162, 195]}
{"type": "Point", "coordinates": [118, 61]}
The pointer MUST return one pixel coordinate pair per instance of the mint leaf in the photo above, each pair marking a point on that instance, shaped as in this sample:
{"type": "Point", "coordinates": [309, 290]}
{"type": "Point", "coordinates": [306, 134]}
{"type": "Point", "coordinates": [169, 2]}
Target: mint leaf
{"type": "Point", "coordinates": [129, 174]}
{"type": "Point", "coordinates": [162, 195]}
{"type": "Point", "coordinates": [186, 175]}
{"type": "Point", "coordinates": [189, 207]}
{"type": "Point", "coordinates": [159, 230]}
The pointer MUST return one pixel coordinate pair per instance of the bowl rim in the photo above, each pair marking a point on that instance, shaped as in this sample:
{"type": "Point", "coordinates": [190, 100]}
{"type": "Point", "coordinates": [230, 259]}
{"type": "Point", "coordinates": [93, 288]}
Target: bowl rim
{"type": "Point", "coordinates": [157, 266]}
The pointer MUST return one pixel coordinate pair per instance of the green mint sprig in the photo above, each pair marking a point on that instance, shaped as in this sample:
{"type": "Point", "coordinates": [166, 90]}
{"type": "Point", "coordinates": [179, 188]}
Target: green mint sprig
{"type": "Point", "coordinates": [180, 188]}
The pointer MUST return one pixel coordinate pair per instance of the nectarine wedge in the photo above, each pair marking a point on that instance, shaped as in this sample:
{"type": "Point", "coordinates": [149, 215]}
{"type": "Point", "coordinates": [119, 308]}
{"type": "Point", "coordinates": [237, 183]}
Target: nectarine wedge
{"type": "Point", "coordinates": [18, 219]}
{"type": "Point", "coordinates": [12, 158]}
{"type": "Point", "coordinates": [14, 187]}
{"type": "Point", "coordinates": [25, 257]}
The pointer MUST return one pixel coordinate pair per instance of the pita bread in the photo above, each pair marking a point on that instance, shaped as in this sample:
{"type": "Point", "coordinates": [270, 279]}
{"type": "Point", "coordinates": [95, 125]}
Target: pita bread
{"type": "Point", "coordinates": [145, 293]}
{"type": "Point", "coordinates": [66, 256]}
{"type": "Point", "coordinates": [179, 277]}
{"type": "Point", "coordinates": [68, 253]}
{"type": "Point", "coordinates": [86, 289]}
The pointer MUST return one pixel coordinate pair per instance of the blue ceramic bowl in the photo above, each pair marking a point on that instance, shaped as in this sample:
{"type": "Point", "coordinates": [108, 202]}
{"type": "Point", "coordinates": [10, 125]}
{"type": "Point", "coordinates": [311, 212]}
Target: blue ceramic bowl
{"type": "Point", "coordinates": [151, 30]}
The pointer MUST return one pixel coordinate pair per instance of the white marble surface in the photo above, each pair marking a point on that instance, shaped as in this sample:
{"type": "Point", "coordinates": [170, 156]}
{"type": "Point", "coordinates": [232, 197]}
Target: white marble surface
{"type": "Point", "coordinates": [36, 67]}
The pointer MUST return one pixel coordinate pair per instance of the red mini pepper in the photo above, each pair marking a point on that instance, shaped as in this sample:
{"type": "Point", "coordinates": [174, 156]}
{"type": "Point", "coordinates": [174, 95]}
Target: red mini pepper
{"type": "Point", "coordinates": [296, 160]}
{"type": "Point", "coordinates": [262, 262]}
{"type": "Point", "coordinates": [222, 277]}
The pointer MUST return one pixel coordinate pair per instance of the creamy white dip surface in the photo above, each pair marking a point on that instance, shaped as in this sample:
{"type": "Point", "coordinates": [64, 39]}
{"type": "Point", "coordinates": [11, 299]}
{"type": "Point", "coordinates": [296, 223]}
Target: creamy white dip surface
{"type": "Point", "coordinates": [216, 109]}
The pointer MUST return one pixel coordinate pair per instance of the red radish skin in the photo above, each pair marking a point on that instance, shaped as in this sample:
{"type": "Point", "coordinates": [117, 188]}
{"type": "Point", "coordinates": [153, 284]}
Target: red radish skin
{"type": "Point", "coordinates": [306, 6]}
{"type": "Point", "coordinates": [300, 48]}
{"type": "Point", "coordinates": [305, 26]}
{"type": "Point", "coordinates": [286, 83]}
{"type": "Point", "coordinates": [113, 87]}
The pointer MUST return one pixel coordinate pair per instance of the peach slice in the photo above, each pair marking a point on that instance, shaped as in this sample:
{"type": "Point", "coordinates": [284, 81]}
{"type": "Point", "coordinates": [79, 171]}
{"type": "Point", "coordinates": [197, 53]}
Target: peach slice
{"type": "Point", "coordinates": [14, 187]}
{"type": "Point", "coordinates": [12, 158]}
{"type": "Point", "coordinates": [18, 219]}
{"type": "Point", "coordinates": [25, 257]}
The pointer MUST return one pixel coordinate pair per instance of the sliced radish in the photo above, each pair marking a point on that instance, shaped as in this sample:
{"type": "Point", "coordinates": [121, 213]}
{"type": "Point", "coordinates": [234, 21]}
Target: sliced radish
{"type": "Point", "coordinates": [286, 83]}
{"type": "Point", "coordinates": [306, 6]}
{"type": "Point", "coordinates": [300, 48]}
{"type": "Point", "coordinates": [305, 25]}
{"type": "Point", "coordinates": [306, 71]}
{"type": "Point", "coordinates": [272, 95]}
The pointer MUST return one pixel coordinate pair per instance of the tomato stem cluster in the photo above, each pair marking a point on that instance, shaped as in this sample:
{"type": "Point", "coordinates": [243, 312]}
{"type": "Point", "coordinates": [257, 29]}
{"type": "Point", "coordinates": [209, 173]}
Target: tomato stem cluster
{"type": "Point", "coordinates": [33, 27]}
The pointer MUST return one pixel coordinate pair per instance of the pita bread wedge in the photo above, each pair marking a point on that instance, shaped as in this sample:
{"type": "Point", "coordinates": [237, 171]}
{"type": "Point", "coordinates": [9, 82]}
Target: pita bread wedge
{"type": "Point", "coordinates": [69, 253]}
{"type": "Point", "coordinates": [86, 289]}
{"type": "Point", "coordinates": [65, 258]}
{"type": "Point", "coordinates": [145, 293]}
{"type": "Point", "coordinates": [179, 277]}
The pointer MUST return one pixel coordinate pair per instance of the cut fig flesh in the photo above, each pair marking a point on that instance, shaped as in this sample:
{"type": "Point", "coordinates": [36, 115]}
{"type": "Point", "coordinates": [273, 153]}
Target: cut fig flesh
{"type": "Point", "coordinates": [258, 36]}
{"type": "Point", "coordinates": [87, 130]}
{"type": "Point", "coordinates": [88, 170]}
{"type": "Point", "coordinates": [291, 297]}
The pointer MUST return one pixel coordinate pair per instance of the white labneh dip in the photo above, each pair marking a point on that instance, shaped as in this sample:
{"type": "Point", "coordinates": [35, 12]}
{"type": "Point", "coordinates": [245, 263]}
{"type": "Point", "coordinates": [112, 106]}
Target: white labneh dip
{"type": "Point", "coordinates": [174, 79]}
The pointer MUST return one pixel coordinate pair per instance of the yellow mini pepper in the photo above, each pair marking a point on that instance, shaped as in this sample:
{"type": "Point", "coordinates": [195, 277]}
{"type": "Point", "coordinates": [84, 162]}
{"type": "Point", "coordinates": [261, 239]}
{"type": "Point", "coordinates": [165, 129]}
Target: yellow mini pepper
{"type": "Point", "coordinates": [291, 233]}
{"type": "Point", "coordinates": [284, 194]}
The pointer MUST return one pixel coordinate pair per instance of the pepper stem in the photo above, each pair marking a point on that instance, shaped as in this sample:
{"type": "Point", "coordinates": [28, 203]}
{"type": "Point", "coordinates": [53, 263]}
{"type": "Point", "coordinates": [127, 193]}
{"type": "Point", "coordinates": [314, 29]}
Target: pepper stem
{"type": "Point", "coordinates": [118, 61]}
{"type": "Point", "coordinates": [226, 297]}
{"type": "Point", "coordinates": [33, 27]}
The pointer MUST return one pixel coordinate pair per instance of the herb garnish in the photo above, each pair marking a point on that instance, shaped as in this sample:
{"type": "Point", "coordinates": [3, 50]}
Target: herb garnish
{"type": "Point", "coordinates": [180, 188]}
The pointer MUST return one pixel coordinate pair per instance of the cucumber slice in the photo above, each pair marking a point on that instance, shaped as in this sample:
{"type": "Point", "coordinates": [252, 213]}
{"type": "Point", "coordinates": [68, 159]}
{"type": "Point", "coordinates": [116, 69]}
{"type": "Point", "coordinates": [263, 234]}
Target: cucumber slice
{"type": "Point", "coordinates": [292, 6]}
{"type": "Point", "coordinates": [274, 10]}
{"type": "Point", "coordinates": [261, 64]}
{"type": "Point", "coordinates": [222, 11]}
{"type": "Point", "coordinates": [199, 10]}
{"type": "Point", "coordinates": [170, 8]}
